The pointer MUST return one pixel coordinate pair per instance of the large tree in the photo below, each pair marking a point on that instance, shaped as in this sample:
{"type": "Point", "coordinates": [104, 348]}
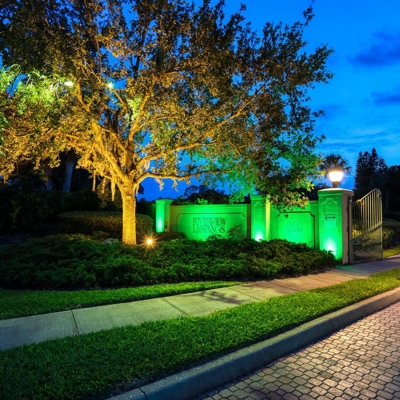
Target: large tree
{"type": "Point", "coordinates": [168, 89]}
{"type": "Point", "coordinates": [367, 166]}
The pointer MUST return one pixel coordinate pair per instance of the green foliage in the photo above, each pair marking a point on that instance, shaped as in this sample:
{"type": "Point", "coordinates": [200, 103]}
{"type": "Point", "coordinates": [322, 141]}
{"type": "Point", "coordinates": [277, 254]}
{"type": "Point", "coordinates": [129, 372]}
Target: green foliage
{"type": "Point", "coordinates": [68, 262]}
{"type": "Point", "coordinates": [28, 211]}
{"type": "Point", "coordinates": [387, 237]}
{"type": "Point", "coordinates": [29, 105]}
{"type": "Point", "coordinates": [165, 236]}
{"type": "Point", "coordinates": [390, 232]}
{"type": "Point", "coordinates": [389, 183]}
{"type": "Point", "coordinates": [197, 94]}
{"type": "Point", "coordinates": [202, 195]}
{"type": "Point", "coordinates": [147, 208]}
{"type": "Point", "coordinates": [368, 165]}
{"type": "Point", "coordinates": [35, 212]}
{"type": "Point", "coordinates": [334, 162]}
{"type": "Point", "coordinates": [392, 251]}
{"type": "Point", "coordinates": [88, 222]}
{"type": "Point", "coordinates": [108, 362]}
{"type": "Point", "coordinates": [391, 215]}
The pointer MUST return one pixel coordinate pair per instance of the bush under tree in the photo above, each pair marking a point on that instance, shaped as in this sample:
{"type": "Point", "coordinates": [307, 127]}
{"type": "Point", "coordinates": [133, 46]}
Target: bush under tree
{"type": "Point", "coordinates": [70, 262]}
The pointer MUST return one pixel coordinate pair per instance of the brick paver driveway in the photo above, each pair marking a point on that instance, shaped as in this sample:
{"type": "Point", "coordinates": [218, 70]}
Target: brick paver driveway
{"type": "Point", "coordinates": [361, 361]}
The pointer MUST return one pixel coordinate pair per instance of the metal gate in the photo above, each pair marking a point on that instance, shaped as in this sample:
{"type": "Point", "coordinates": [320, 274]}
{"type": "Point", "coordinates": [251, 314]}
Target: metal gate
{"type": "Point", "coordinates": [366, 232]}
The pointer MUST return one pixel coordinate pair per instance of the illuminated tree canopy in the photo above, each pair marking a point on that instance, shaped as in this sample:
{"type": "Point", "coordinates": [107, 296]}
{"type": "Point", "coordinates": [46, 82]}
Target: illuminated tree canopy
{"type": "Point", "coordinates": [160, 89]}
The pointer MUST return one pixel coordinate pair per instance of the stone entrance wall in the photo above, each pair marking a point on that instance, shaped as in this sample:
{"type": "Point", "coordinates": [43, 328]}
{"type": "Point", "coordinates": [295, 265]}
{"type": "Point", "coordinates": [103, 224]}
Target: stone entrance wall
{"type": "Point", "coordinates": [323, 224]}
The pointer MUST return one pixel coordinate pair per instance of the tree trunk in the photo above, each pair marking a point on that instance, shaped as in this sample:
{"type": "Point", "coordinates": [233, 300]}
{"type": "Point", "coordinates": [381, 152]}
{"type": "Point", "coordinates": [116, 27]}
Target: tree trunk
{"type": "Point", "coordinates": [128, 216]}
{"type": "Point", "coordinates": [49, 183]}
{"type": "Point", "coordinates": [70, 161]}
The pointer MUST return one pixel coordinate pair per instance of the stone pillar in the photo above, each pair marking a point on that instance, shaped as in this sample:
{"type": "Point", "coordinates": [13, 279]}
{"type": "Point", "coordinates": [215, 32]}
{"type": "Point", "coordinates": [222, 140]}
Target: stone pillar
{"type": "Point", "coordinates": [260, 218]}
{"type": "Point", "coordinates": [335, 222]}
{"type": "Point", "coordinates": [163, 215]}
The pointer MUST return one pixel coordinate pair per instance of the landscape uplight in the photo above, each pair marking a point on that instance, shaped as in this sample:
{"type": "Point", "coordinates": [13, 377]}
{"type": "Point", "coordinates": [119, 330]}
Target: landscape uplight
{"type": "Point", "coordinates": [336, 177]}
{"type": "Point", "coordinates": [69, 83]}
{"type": "Point", "coordinates": [149, 241]}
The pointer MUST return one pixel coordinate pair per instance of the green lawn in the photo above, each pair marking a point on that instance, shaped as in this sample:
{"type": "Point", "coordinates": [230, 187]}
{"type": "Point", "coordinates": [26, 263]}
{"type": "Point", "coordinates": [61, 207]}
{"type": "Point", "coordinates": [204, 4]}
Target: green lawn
{"type": "Point", "coordinates": [18, 303]}
{"type": "Point", "coordinates": [102, 363]}
{"type": "Point", "coordinates": [392, 251]}
{"type": "Point", "coordinates": [63, 272]}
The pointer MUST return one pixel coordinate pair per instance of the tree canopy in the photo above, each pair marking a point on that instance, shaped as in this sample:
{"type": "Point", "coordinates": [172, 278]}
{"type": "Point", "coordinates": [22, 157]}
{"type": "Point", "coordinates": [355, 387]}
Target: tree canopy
{"type": "Point", "coordinates": [161, 89]}
{"type": "Point", "coordinates": [367, 166]}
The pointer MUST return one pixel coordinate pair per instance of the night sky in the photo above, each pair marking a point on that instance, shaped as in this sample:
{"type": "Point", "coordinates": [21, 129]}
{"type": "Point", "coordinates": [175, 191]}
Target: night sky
{"type": "Point", "coordinates": [362, 102]}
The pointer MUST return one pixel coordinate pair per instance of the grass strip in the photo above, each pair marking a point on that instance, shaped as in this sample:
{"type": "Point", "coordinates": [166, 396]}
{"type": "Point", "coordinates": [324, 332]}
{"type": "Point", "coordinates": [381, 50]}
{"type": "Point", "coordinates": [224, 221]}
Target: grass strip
{"type": "Point", "coordinates": [392, 251]}
{"type": "Point", "coordinates": [19, 303]}
{"type": "Point", "coordinates": [100, 364]}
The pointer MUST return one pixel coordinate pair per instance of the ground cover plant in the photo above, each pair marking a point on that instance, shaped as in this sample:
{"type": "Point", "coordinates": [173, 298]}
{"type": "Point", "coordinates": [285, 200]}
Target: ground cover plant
{"type": "Point", "coordinates": [390, 233]}
{"type": "Point", "coordinates": [106, 362]}
{"type": "Point", "coordinates": [75, 262]}
{"type": "Point", "coordinates": [88, 222]}
{"type": "Point", "coordinates": [18, 303]}
{"type": "Point", "coordinates": [392, 251]}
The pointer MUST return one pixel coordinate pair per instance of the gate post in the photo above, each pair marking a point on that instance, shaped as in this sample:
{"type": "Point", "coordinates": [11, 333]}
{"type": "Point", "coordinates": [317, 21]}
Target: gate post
{"type": "Point", "coordinates": [335, 222]}
{"type": "Point", "coordinates": [163, 215]}
{"type": "Point", "coordinates": [260, 218]}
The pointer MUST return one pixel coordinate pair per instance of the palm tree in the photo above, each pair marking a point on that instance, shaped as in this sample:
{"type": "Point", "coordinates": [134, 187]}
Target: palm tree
{"type": "Point", "coordinates": [335, 162]}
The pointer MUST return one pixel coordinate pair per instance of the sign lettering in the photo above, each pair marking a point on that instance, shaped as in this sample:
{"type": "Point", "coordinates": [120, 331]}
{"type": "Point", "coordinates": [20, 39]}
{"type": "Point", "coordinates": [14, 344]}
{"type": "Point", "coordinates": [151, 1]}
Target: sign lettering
{"type": "Point", "coordinates": [214, 225]}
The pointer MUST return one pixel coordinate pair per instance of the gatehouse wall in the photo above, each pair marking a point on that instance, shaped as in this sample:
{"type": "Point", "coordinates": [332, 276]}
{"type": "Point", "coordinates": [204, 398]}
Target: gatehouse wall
{"type": "Point", "coordinates": [322, 224]}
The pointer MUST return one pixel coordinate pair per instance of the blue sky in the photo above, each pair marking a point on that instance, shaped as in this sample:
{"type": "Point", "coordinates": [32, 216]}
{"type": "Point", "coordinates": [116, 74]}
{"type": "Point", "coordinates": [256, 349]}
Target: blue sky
{"type": "Point", "coordinates": [362, 102]}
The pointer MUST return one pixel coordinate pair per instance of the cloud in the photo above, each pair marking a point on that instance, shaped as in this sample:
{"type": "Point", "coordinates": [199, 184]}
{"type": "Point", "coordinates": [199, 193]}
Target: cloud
{"type": "Point", "coordinates": [386, 99]}
{"type": "Point", "coordinates": [384, 51]}
{"type": "Point", "coordinates": [353, 138]}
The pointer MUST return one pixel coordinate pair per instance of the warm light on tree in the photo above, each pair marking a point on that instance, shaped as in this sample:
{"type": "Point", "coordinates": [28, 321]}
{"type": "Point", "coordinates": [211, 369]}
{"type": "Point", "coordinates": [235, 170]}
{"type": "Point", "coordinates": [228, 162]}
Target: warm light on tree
{"type": "Point", "coordinates": [194, 94]}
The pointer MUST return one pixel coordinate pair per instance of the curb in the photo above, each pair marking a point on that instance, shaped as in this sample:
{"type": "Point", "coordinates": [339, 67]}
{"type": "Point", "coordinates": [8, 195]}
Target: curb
{"type": "Point", "coordinates": [192, 382]}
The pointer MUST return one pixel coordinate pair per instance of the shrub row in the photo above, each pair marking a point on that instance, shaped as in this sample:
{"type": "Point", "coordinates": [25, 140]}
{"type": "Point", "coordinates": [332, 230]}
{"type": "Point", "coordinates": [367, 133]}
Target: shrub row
{"type": "Point", "coordinates": [35, 211]}
{"type": "Point", "coordinates": [390, 232]}
{"type": "Point", "coordinates": [89, 222]}
{"type": "Point", "coordinates": [68, 262]}
{"type": "Point", "coordinates": [392, 215]}
{"type": "Point", "coordinates": [30, 210]}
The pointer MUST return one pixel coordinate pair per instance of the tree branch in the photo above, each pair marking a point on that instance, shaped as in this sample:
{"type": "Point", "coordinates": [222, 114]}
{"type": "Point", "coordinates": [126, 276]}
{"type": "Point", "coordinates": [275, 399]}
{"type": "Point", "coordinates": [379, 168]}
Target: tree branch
{"type": "Point", "coordinates": [185, 176]}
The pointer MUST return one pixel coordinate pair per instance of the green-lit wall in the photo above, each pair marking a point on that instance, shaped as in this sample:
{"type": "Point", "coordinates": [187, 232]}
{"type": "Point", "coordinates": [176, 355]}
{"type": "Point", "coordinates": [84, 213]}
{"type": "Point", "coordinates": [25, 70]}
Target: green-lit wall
{"type": "Point", "coordinates": [300, 225]}
{"type": "Point", "coordinates": [323, 224]}
{"type": "Point", "coordinates": [334, 221]}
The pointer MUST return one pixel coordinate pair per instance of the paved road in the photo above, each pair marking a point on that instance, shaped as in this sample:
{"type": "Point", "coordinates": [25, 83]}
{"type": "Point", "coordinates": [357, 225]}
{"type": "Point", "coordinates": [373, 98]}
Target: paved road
{"type": "Point", "coordinates": [361, 361]}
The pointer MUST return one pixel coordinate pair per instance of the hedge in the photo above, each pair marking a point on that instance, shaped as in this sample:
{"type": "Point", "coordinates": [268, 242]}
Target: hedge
{"type": "Point", "coordinates": [390, 232]}
{"type": "Point", "coordinates": [89, 222]}
{"type": "Point", "coordinates": [74, 261]}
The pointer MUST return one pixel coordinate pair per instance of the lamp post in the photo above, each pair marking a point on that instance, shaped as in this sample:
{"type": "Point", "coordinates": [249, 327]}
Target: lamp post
{"type": "Point", "coordinates": [336, 176]}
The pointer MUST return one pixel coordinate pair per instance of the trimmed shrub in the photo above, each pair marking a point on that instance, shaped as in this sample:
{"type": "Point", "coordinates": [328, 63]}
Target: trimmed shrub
{"type": "Point", "coordinates": [166, 236]}
{"type": "Point", "coordinates": [146, 208]}
{"type": "Point", "coordinates": [73, 261]}
{"type": "Point", "coordinates": [390, 232]}
{"type": "Point", "coordinates": [35, 211]}
{"type": "Point", "coordinates": [391, 215]}
{"type": "Point", "coordinates": [27, 210]}
{"type": "Point", "coordinates": [89, 222]}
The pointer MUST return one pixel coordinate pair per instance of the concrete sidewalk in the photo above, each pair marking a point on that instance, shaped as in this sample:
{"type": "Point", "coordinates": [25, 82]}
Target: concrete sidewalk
{"type": "Point", "coordinates": [34, 329]}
